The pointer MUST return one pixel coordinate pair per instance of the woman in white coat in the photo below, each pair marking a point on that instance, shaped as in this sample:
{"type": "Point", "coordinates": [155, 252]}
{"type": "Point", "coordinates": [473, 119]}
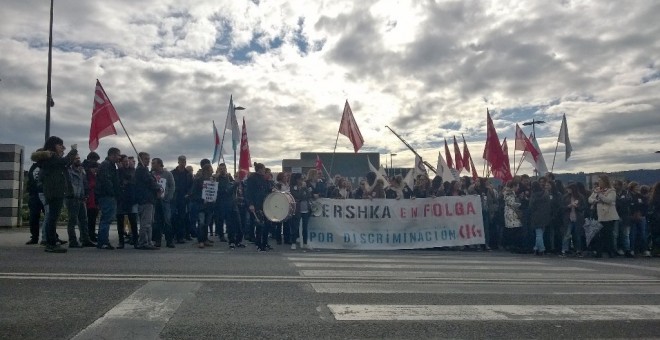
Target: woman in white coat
{"type": "Point", "coordinates": [604, 197]}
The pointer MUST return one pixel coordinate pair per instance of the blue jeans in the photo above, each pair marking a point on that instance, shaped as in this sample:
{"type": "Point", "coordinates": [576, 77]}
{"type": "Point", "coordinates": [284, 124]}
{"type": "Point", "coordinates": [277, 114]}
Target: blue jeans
{"type": "Point", "coordinates": [572, 232]}
{"type": "Point", "coordinates": [163, 222]}
{"type": "Point", "coordinates": [539, 246]}
{"type": "Point", "coordinates": [54, 209]}
{"type": "Point", "coordinates": [639, 235]}
{"type": "Point", "coordinates": [42, 198]}
{"type": "Point", "coordinates": [108, 209]}
{"type": "Point", "coordinates": [621, 232]}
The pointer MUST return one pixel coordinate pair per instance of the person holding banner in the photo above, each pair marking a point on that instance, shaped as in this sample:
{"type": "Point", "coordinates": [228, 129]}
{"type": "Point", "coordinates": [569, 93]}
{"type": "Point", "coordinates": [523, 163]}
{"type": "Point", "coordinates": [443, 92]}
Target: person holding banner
{"type": "Point", "coordinates": [163, 207]}
{"type": "Point", "coordinates": [204, 194]}
{"type": "Point", "coordinates": [398, 189]}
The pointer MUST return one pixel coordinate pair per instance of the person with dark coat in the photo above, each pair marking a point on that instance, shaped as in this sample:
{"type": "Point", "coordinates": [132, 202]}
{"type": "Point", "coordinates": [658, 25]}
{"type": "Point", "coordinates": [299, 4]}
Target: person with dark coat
{"type": "Point", "coordinates": [107, 191]}
{"type": "Point", "coordinates": [257, 188]}
{"type": "Point", "coordinates": [146, 192]}
{"type": "Point", "coordinates": [183, 180]}
{"type": "Point", "coordinates": [302, 195]}
{"type": "Point", "coordinates": [203, 207]}
{"type": "Point", "coordinates": [54, 178]}
{"type": "Point", "coordinates": [35, 207]}
{"type": "Point", "coordinates": [540, 210]}
{"type": "Point", "coordinates": [126, 202]}
{"type": "Point", "coordinates": [573, 206]}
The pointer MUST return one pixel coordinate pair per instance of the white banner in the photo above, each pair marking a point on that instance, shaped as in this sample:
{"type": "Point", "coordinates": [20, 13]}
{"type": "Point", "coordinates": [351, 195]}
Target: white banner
{"type": "Point", "coordinates": [382, 224]}
{"type": "Point", "coordinates": [210, 191]}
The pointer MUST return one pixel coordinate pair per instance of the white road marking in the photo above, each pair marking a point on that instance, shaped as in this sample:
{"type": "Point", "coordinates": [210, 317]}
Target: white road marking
{"type": "Point", "coordinates": [142, 315]}
{"type": "Point", "coordinates": [412, 260]}
{"type": "Point", "coordinates": [624, 265]}
{"type": "Point", "coordinates": [465, 275]}
{"type": "Point", "coordinates": [494, 312]}
{"type": "Point", "coordinates": [479, 289]}
{"type": "Point", "coordinates": [435, 266]}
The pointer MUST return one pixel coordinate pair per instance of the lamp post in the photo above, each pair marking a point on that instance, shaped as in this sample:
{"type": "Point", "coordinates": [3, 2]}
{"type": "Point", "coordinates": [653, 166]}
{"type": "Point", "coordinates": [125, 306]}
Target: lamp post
{"type": "Point", "coordinates": [49, 98]}
{"type": "Point", "coordinates": [239, 108]}
{"type": "Point", "coordinates": [391, 168]}
{"type": "Point", "coordinates": [533, 124]}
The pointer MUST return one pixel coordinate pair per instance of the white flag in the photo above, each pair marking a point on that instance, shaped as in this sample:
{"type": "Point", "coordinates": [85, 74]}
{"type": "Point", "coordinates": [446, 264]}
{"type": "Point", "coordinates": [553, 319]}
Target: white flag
{"type": "Point", "coordinates": [379, 174]}
{"type": "Point", "coordinates": [445, 171]}
{"type": "Point", "coordinates": [231, 124]}
{"type": "Point", "coordinates": [563, 137]}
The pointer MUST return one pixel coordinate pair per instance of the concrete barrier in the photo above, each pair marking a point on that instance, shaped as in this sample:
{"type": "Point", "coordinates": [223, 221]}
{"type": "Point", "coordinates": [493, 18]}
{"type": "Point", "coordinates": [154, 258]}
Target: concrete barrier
{"type": "Point", "coordinates": [11, 184]}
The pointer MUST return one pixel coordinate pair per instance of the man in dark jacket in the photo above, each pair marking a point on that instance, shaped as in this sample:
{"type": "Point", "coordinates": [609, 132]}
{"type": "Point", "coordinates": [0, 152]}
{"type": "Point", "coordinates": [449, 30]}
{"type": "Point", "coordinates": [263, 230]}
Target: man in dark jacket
{"type": "Point", "coordinates": [183, 180]}
{"type": "Point", "coordinates": [257, 188]}
{"type": "Point", "coordinates": [106, 192]}
{"type": "Point", "coordinates": [56, 186]}
{"type": "Point", "coordinates": [35, 206]}
{"type": "Point", "coordinates": [146, 192]}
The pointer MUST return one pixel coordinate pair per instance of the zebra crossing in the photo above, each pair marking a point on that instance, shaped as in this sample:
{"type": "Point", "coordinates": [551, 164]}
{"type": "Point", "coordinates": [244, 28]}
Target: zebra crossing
{"type": "Point", "coordinates": [564, 290]}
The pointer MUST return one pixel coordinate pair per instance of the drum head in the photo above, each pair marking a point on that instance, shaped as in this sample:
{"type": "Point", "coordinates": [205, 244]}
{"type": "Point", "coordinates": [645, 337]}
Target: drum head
{"type": "Point", "coordinates": [277, 207]}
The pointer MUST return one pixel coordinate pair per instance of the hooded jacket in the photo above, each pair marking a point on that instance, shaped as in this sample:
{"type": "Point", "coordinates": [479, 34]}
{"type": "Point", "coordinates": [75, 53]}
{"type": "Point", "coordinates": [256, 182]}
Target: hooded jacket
{"type": "Point", "coordinates": [53, 175]}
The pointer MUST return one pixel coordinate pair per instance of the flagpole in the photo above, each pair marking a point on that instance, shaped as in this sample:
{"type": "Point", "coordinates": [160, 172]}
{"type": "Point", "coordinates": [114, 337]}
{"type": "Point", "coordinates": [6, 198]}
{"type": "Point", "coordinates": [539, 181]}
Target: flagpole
{"type": "Point", "coordinates": [130, 140]}
{"type": "Point", "coordinates": [555, 156]}
{"type": "Point", "coordinates": [49, 95]}
{"type": "Point", "coordinates": [332, 161]}
{"type": "Point", "coordinates": [224, 132]}
{"type": "Point", "coordinates": [522, 158]}
{"type": "Point", "coordinates": [124, 128]}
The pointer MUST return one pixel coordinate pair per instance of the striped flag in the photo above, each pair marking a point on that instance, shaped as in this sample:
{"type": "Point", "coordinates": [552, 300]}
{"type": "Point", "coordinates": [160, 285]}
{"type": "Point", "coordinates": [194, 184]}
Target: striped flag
{"type": "Point", "coordinates": [217, 147]}
{"type": "Point", "coordinates": [348, 127]}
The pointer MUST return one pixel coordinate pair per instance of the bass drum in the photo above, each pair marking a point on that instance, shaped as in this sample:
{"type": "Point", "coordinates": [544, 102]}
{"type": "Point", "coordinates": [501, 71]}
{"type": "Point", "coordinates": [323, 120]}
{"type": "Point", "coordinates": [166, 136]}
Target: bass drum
{"type": "Point", "coordinates": [279, 206]}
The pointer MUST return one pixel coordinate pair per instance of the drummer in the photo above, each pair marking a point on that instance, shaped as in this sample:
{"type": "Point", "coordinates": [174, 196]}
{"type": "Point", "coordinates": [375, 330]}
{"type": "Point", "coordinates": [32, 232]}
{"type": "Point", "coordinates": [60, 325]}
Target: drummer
{"type": "Point", "coordinates": [257, 188]}
{"type": "Point", "coordinates": [281, 229]}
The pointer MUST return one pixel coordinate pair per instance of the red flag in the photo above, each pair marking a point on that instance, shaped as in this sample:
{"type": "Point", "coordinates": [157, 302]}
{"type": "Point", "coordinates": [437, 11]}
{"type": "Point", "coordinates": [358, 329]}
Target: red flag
{"type": "Point", "coordinates": [244, 160]}
{"type": "Point", "coordinates": [348, 127]}
{"type": "Point", "coordinates": [504, 173]}
{"type": "Point", "coordinates": [450, 162]}
{"type": "Point", "coordinates": [458, 157]}
{"type": "Point", "coordinates": [475, 175]}
{"type": "Point", "coordinates": [466, 155]}
{"type": "Point", "coordinates": [493, 150]}
{"type": "Point", "coordinates": [318, 164]}
{"type": "Point", "coordinates": [104, 117]}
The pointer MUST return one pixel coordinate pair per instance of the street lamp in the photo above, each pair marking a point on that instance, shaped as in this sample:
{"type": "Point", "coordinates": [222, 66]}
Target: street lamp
{"type": "Point", "coordinates": [391, 169]}
{"type": "Point", "coordinates": [533, 124]}
{"type": "Point", "coordinates": [239, 108]}
{"type": "Point", "coordinates": [49, 97]}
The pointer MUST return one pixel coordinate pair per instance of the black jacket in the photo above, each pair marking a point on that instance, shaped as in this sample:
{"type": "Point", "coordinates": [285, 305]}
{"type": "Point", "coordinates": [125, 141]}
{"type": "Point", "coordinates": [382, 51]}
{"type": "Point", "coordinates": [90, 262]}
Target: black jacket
{"type": "Point", "coordinates": [183, 182]}
{"type": "Point", "coordinates": [146, 188]}
{"type": "Point", "coordinates": [257, 188]}
{"type": "Point", "coordinates": [107, 180]}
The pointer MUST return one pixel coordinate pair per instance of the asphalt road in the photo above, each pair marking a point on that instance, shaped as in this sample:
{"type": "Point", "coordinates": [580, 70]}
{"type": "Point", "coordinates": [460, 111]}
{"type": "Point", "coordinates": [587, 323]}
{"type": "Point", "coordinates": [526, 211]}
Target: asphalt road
{"type": "Point", "coordinates": [218, 293]}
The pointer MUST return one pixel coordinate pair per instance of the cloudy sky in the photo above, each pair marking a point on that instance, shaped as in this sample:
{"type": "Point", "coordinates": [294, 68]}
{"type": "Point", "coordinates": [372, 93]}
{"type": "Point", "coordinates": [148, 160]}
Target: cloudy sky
{"type": "Point", "coordinates": [429, 69]}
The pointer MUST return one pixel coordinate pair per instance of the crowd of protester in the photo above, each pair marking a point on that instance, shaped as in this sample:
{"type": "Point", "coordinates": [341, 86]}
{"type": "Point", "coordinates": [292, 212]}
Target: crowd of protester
{"type": "Point", "coordinates": [525, 215]}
